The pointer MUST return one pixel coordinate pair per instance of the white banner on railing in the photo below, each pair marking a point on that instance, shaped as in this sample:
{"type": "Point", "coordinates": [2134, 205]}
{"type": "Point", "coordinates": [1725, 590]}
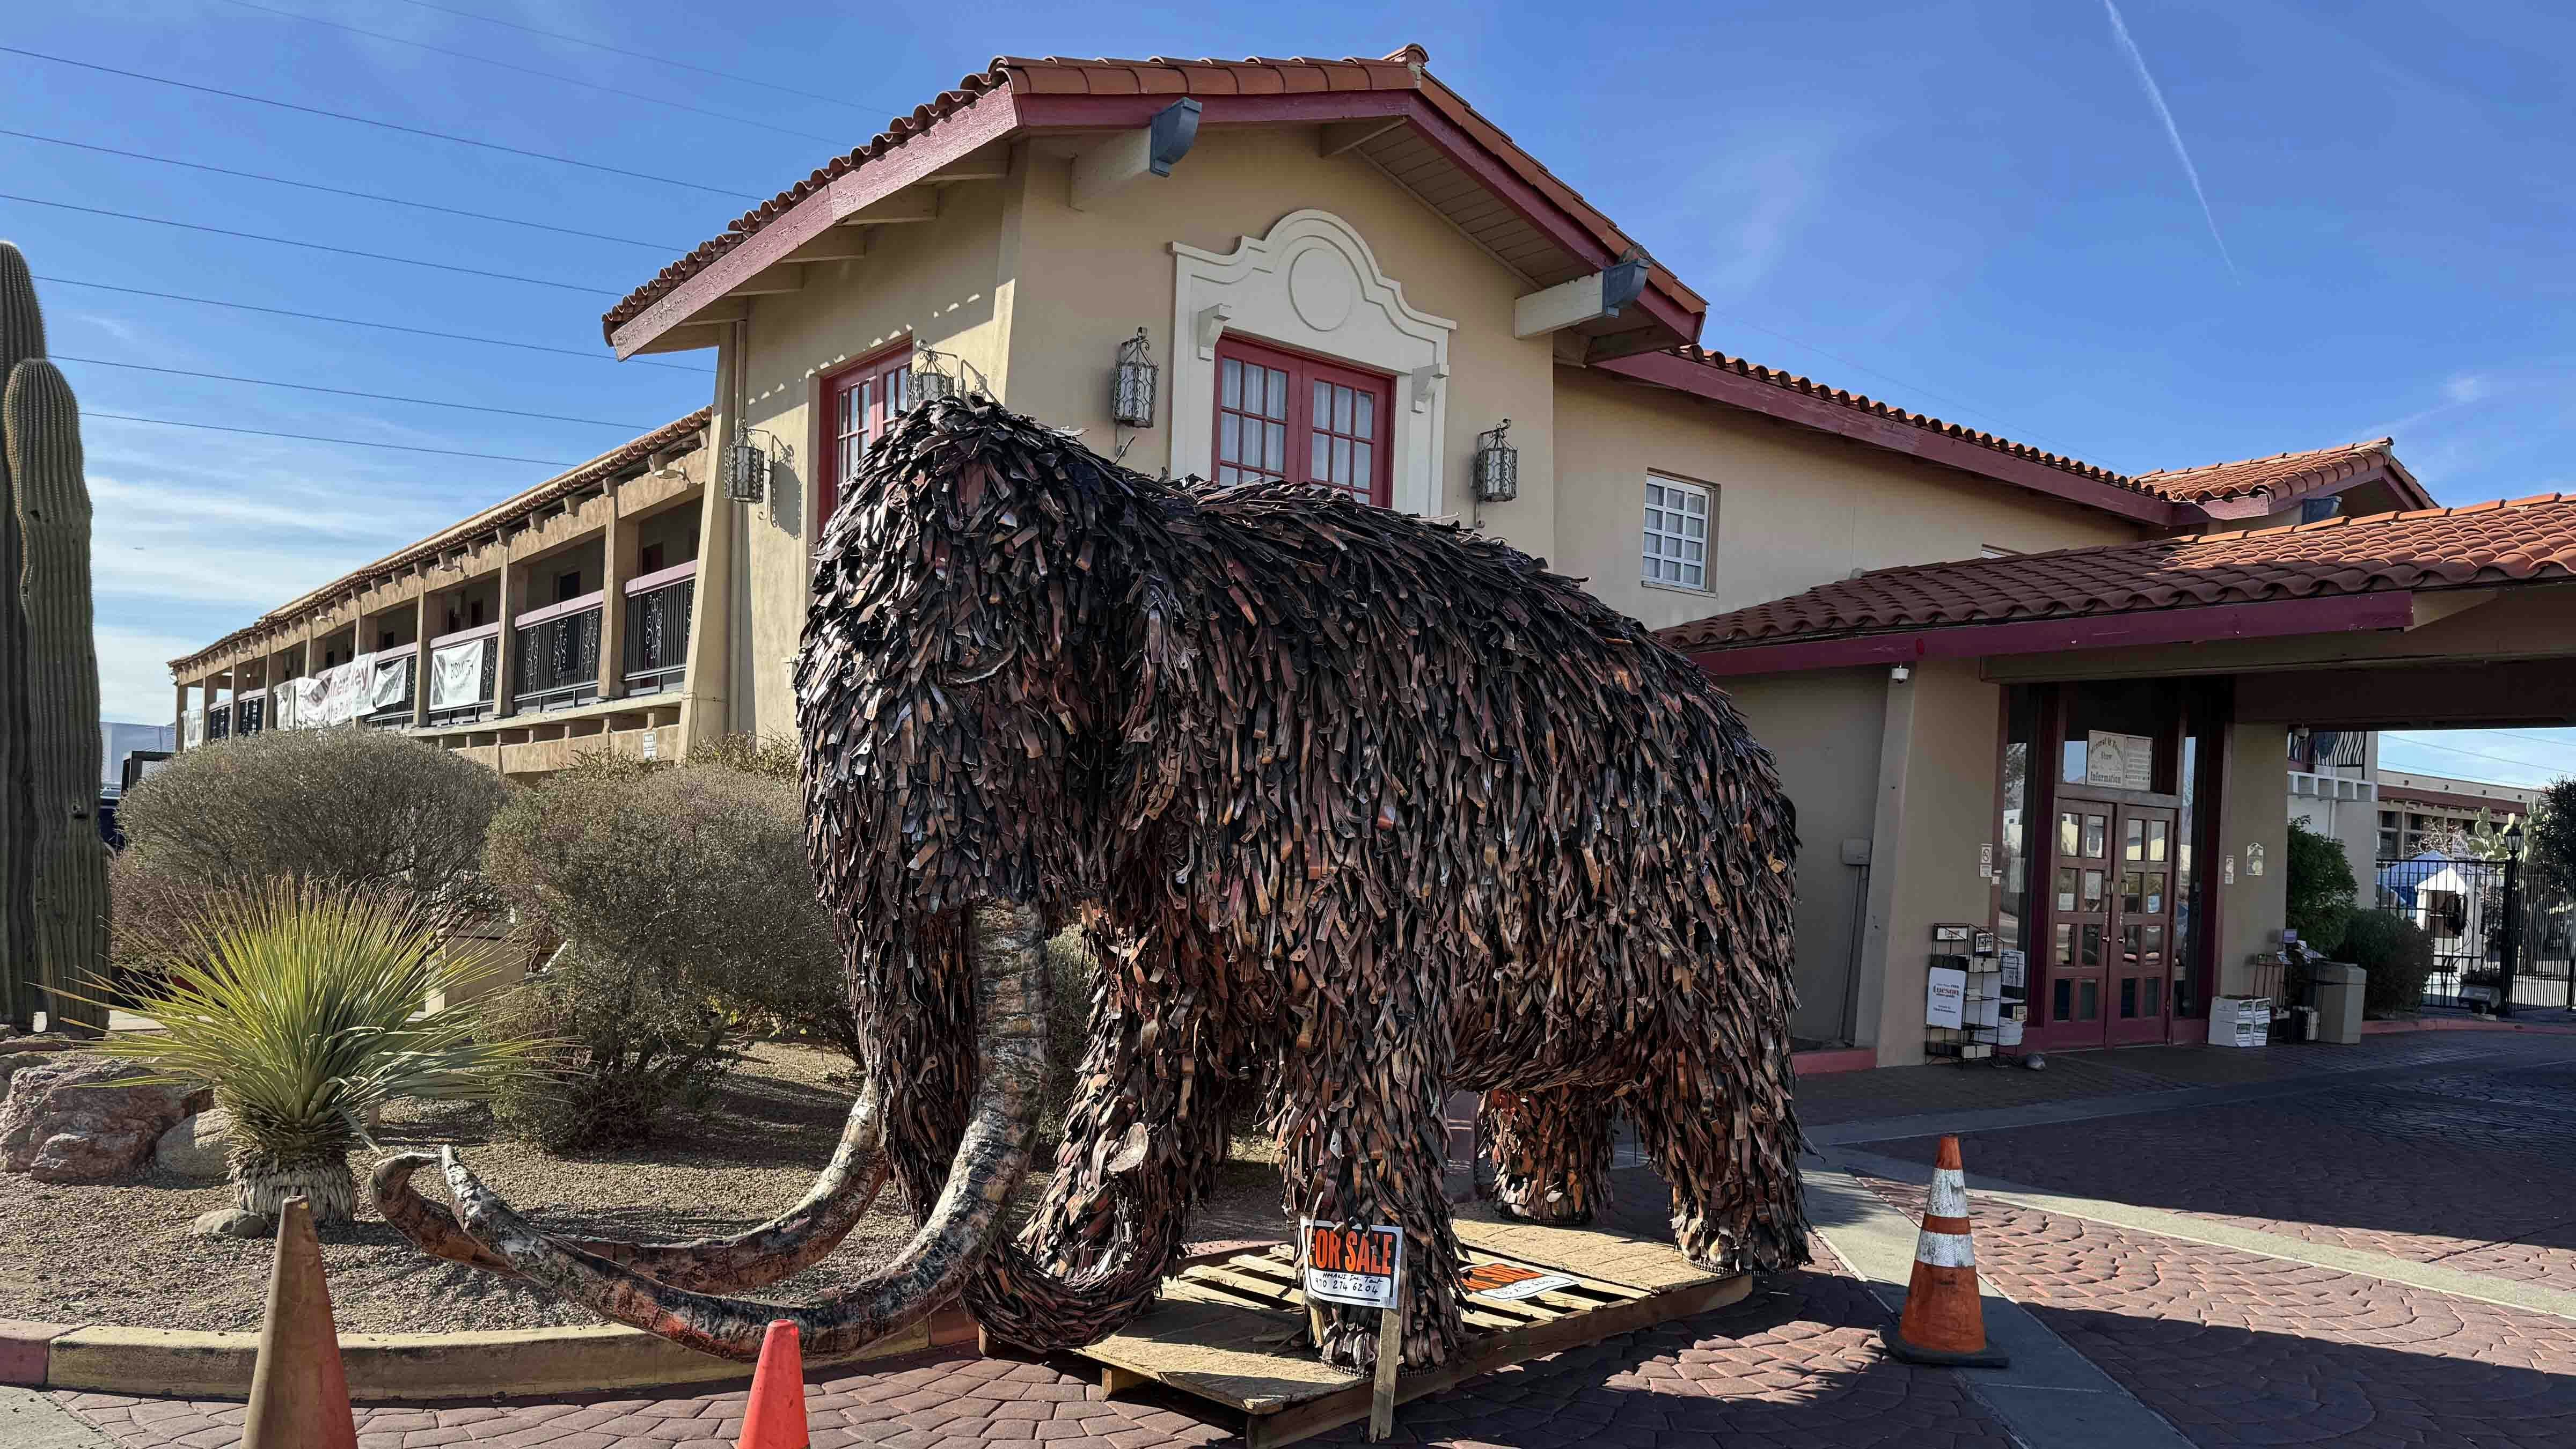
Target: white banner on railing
{"type": "Point", "coordinates": [456, 674]}
{"type": "Point", "coordinates": [344, 688]}
{"type": "Point", "coordinates": [388, 682]}
{"type": "Point", "coordinates": [281, 706]}
{"type": "Point", "coordinates": [310, 692]}
{"type": "Point", "coordinates": [196, 734]}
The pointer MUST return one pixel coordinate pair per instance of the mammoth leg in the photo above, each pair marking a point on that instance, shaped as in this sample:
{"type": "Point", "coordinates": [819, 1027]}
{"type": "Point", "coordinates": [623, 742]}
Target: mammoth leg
{"type": "Point", "coordinates": [780, 1248]}
{"type": "Point", "coordinates": [1551, 1152]}
{"type": "Point", "coordinates": [1143, 1139]}
{"type": "Point", "coordinates": [1360, 1133]}
{"type": "Point", "coordinates": [1735, 1207]}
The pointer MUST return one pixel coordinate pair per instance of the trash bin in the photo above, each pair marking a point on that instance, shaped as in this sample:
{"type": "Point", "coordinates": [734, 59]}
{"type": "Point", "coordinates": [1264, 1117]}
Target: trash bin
{"type": "Point", "coordinates": [2339, 986]}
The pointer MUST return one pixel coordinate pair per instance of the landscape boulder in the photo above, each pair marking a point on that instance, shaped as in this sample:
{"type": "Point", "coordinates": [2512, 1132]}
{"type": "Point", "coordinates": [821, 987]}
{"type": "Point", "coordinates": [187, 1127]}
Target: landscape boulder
{"type": "Point", "coordinates": [232, 1222]}
{"type": "Point", "coordinates": [82, 1117]}
{"type": "Point", "coordinates": [196, 1147]}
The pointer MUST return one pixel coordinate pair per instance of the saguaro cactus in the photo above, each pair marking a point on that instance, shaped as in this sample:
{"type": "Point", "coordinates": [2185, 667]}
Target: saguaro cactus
{"type": "Point", "coordinates": [53, 866]}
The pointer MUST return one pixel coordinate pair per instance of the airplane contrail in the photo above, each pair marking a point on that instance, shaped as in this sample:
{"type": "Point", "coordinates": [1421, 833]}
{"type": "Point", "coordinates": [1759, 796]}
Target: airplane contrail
{"type": "Point", "coordinates": [2138, 62]}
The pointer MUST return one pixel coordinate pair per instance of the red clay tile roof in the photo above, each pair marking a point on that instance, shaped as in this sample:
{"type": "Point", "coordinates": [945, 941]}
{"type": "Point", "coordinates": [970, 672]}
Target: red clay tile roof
{"type": "Point", "coordinates": [2486, 543]}
{"type": "Point", "coordinates": [572, 480]}
{"type": "Point", "coordinates": [2283, 476]}
{"type": "Point", "coordinates": [1861, 402]}
{"type": "Point", "coordinates": [1056, 75]}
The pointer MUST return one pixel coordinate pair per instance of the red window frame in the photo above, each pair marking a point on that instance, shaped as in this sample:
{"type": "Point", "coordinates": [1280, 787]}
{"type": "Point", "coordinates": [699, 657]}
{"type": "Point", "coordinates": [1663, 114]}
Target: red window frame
{"type": "Point", "coordinates": [855, 415]}
{"type": "Point", "coordinates": [1335, 441]}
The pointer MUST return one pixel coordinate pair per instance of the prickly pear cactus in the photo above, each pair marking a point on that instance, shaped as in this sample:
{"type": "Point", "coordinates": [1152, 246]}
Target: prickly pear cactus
{"type": "Point", "coordinates": [53, 865]}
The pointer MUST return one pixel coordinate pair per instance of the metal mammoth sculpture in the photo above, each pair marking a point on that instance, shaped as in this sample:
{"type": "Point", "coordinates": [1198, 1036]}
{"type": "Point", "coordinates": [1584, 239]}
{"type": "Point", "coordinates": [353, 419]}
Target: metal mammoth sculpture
{"type": "Point", "coordinates": [1356, 810]}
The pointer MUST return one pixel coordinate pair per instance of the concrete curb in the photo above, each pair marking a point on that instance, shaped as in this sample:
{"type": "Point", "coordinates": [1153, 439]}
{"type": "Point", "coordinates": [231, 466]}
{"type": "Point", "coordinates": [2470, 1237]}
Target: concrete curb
{"type": "Point", "coordinates": [112, 1359]}
{"type": "Point", "coordinates": [2445, 1023]}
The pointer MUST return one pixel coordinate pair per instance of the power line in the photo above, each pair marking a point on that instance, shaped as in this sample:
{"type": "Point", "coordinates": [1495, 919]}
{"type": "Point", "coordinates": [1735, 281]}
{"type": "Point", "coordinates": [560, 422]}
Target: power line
{"type": "Point", "coordinates": [361, 322]}
{"type": "Point", "coordinates": [372, 121]}
{"type": "Point", "coordinates": [339, 191]}
{"type": "Point", "coordinates": [350, 392]}
{"type": "Point", "coordinates": [310, 438]}
{"type": "Point", "coordinates": [286, 241]}
{"type": "Point", "coordinates": [2475, 754]}
{"type": "Point", "coordinates": [524, 70]}
{"type": "Point", "coordinates": [656, 59]}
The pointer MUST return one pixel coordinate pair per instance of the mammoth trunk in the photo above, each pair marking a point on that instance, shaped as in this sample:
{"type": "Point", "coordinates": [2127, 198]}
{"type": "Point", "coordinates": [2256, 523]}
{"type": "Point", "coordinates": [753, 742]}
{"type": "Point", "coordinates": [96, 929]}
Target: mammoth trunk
{"type": "Point", "coordinates": [1009, 963]}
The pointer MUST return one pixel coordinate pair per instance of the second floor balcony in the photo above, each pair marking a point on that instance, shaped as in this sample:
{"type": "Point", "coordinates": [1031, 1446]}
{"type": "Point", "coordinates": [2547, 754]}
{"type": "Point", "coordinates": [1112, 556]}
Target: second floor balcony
{"type": "Point", "coordinates": [658, 606]}
{"type": "Point", "coordinates": [555, 656]}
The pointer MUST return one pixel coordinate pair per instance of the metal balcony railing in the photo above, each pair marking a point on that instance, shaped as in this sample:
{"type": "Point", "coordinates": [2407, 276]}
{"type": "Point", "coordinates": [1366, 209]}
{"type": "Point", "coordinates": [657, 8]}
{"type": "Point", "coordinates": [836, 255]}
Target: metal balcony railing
{"type": "Point", "coordinates": [218, 722]}
{"type": "Point", "coordinates": [658, 606]}
{"type": "Point", "coordinates": [392, 685]}
{"type": "Point", "coordinates": [463, 667]}
{"type": "Point", "coordinates": [252, 710]}
{"type": "Point", "coordinates": [555, 656]}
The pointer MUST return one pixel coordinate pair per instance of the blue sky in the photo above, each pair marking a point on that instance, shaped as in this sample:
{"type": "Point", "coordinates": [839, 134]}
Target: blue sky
{"type": "Point", "coordinates": [1973, 209]}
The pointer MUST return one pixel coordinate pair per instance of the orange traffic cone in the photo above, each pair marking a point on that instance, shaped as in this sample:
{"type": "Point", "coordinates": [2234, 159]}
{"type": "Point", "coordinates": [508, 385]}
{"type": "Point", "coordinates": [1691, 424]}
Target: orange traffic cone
{"type": "Point", "coordinates": [1944, 1322]}
{"type": "Point", "coordinates": [299, 1394]}
{"type": "Point", "coordinates": [775, 1417]}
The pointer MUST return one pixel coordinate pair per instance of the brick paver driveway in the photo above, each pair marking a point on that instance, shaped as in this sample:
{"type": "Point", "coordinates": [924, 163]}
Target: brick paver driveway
{"type": "Point", "coordinates": [2459, 1150]}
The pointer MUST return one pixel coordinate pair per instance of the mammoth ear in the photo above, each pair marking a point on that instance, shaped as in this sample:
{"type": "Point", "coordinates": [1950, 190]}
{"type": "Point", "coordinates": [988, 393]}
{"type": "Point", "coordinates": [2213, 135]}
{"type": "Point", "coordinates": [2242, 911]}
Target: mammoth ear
{"type": "Point", "coordinates": [1162, 701]}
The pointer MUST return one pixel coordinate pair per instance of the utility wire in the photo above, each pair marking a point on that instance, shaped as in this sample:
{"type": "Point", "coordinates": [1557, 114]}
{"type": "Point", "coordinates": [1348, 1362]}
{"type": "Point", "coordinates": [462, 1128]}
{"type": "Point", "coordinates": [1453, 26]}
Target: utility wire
{"type": "Point", "coordinates": [524, 70]}
{"type": "Point", "coordinates": [351, 392]}
{"type": "Point", "coordinates": [656, 59]}
{"type": "Point", "coordinates": [286, 241]}
{"type": "Point", "coordinates": [310, 438]}
{"type": "Point", "coordinates": [372, 121]}
{"type": "Point", "coordinates": [340, 191]}
{"type": "Point", "coordinates": [2474, 754]}
{"type": "Point", "coordinates": [361, 322]}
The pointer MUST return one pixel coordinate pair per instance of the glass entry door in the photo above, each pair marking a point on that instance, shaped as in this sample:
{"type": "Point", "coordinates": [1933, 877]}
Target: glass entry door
{"type": "Point", "coordinates": [2111, 923]}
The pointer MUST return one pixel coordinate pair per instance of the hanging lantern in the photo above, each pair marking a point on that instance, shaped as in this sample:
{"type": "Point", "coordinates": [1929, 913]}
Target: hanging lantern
{"type": "Point", "coordinates": [746, 472]}
{"type": "Point", "coordinates": [1131, 387]}
{"type": "Point", "coordinates": [1498, 466]}
{"type": "Point", "coordinates": [929, 384]}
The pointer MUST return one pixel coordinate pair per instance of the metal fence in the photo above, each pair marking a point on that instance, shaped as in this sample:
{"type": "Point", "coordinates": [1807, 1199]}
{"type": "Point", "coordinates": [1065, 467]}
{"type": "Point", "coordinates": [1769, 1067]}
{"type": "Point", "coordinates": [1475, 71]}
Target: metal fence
{"type": "Point", "coordinates": [2495, 939]}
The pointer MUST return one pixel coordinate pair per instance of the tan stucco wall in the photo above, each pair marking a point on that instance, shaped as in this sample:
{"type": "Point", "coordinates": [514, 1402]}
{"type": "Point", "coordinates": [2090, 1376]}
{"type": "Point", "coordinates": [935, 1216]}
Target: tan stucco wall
{"type": "Point", "coordinates": [2255, 811]}
{"type": "Point", "coordinates": [1794, 508]}
{"type": "Point", "coordinates": [1929, 857]}
{"type": "Point", "coordinates": [936, 280]}
{"type": "Point", "coordinates": [1823, 732]}
{"type": "Point", "coordinates": [1089, 279]}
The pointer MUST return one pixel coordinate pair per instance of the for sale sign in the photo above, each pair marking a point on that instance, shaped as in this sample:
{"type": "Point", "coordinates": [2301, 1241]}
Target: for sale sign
{"type": "Point", "coordinates": [1355, 1265]}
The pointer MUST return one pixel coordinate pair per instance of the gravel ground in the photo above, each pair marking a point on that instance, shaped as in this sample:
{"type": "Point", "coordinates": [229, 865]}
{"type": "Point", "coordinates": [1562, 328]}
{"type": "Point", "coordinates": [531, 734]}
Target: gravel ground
{"type": "Point", "coordinates": [122, 1254]}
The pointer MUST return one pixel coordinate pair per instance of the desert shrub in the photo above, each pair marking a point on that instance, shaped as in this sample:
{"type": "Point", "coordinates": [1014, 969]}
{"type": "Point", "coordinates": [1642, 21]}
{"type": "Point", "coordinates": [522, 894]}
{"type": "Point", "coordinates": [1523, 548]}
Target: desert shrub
{"type": "Point", "coordinates": [625, 1047]}
{"type": "Point", "coordinates": [772, 757]}
{"type": "Point", "coordinates": [690, 917]}
{"type": "Point", "coordinates": [2398, 956]}
{"type": "Point", "coordinates": [2321, 889]}
{"type": "Point", "coordinates": [299, 1007]}
{"type": "Point", "coordinates": [357, 809]}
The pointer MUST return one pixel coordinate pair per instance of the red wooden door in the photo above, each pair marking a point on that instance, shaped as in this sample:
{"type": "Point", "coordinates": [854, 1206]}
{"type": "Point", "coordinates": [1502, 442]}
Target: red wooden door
{"type": "Point", "coordinates": [2137, 997]}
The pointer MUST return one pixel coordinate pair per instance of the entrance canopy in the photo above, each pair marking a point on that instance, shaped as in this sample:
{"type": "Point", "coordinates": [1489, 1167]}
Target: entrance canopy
{"type": "Point", "coordinates": [2470, 609]}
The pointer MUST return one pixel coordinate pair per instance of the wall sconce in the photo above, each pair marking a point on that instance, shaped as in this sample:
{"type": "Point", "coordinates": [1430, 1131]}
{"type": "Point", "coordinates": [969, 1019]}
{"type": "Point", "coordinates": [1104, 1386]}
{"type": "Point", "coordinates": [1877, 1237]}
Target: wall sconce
{"type": "Point", "coordinates": [928, 383]}
{"type": "Point", "coordinates": [1132, 386]}
{"type": "Point", "coordinates": [1498, 466]}
{"type": "Point", "coordinates": [746, 472]}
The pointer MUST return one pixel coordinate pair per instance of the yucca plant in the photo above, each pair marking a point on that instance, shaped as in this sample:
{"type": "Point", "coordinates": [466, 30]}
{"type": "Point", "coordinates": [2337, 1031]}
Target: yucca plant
{"type": "Point", "coordinates": [300, 1006]}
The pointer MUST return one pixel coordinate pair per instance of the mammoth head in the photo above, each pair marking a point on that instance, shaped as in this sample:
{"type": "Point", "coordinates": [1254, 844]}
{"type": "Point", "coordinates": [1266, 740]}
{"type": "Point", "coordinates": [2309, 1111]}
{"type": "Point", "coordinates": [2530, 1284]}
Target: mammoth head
{"type": "Point", "coordinates": [990, 618]}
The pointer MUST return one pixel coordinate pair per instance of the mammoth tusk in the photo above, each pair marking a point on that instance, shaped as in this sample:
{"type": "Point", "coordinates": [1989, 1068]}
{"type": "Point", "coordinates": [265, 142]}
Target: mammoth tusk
{"type": "Point", "coordinates": [755, 1258]}
{"type": "Point", "coordinates": [962, 1227]}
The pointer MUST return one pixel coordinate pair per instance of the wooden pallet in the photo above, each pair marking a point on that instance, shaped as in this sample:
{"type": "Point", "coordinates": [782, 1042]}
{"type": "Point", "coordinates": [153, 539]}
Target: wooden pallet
{"type": "Point", "coordinates": [1233, 1331]}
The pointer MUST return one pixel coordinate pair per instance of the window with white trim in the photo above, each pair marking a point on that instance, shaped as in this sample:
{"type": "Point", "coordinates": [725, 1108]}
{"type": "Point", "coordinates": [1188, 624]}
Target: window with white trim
{"type": "Point", "coordinates": [1677, 520]}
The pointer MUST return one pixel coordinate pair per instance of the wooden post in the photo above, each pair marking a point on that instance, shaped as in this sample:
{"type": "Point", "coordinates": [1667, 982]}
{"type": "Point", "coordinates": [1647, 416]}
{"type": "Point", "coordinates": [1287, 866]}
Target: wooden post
{"type": "Point", "coordinates": [1390, 1353]}
{"type": "Point", "coordinates": [179, 720]}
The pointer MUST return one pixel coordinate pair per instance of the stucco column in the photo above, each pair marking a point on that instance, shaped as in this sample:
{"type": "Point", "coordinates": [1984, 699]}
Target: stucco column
{"type": "Point", "coordinates": [616, 546]}
{"type": "Point", "coordinates": [1886, 853]}
{"type": "Point", "coordinates": [179, 716]}
{"type": "Point", "coordinates": [2253, 819]}
{"type": "Point", "coordinates": [513, 592]}
{"type": "Point", "coordinates": [705, 697]}
{"type": "Point", "coordinates": [420, 616]}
